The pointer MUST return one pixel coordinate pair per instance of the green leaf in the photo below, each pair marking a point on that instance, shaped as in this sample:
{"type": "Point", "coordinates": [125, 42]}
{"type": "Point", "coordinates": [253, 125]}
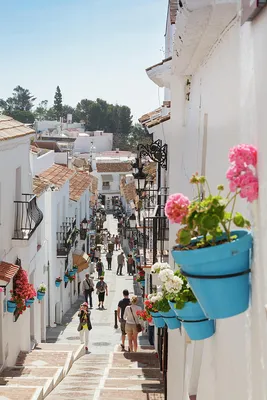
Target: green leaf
{"type": "Point", "coordinates": [210, 222]}
{"type": "Point", "coordinates": [184, 237]}
{"type": "Point", "coordinates": [227, 216]}
{"type": "Point", "coordinates": [239, 220]}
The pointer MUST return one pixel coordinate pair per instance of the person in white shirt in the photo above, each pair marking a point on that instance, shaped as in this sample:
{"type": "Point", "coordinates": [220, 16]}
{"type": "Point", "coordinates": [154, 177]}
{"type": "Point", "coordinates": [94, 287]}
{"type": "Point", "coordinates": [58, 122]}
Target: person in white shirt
{"type": "Point", "coordinates": [131, 323]}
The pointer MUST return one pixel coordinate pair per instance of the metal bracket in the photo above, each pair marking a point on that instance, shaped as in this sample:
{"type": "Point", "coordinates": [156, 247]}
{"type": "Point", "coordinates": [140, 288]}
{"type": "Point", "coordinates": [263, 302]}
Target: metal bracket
{"type": "Point", "coordinates": [156, 151]}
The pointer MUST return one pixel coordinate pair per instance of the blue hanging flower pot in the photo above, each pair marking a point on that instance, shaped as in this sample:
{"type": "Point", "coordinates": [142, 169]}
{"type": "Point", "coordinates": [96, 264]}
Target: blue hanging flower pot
{"type": "Point", "coordinates": [40, 295]}
{"type": "Point", "coordinates": [194, 321]}
{"type": "Point", "coordinates": [143, 283]}
{"type": "Point", "coordinates": [29, 302]}
{"type": "Point", "coordinates": [66, 278]}
{"type": "Point", "coordinates": [219, 275]}
{"type": "Point", "coordinates": [11, 306]}
{"type": "Point", "coordinates": [170, 319]}
{"type": "Point", "coordinates": [158, 320]}
{"type": "Point", "coordinates": [57, 283]}
{"type": "Point", "coordinates": [71, 273]}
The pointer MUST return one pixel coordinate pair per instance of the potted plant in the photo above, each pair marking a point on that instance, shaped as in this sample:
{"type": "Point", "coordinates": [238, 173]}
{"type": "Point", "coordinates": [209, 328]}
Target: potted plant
{"type": "Point", "coordinates": [151, 303]}
{"type": "Point", "coordinates": [66, 277]}
{"type": "Point", "coordinates": [216, 259]}
{"type": "Point", "coordinates": [30, 296]}
{"type": "Point", "coordinates": [186, 307]}
{"type": "Point", "coordinates": [11, 305]}
{"type": "Point", "coordinates": [58, 281]}
{"type": "Point", "coordinates": [71, 278]}
{"type": "Point", "coordinates": [41, 291]}
{"type": "Point", "coordinates": [72, 272]}
{"type": "Point", "coordinates": [144, 315]}
{"type": "Point", "coordinates": [75, 268]}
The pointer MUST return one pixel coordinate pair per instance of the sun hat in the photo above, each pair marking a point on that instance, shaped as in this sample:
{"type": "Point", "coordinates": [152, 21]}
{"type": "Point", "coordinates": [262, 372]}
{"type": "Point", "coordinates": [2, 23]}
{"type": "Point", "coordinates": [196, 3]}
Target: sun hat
{"type": "Point", "coordinates": [101, 277]}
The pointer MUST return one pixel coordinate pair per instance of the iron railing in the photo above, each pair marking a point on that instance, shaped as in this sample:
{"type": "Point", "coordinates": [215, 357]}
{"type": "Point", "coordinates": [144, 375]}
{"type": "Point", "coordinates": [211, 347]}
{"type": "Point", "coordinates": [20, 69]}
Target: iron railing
{"type": "Point", "coordinates": [66, 237]}
{"type": "Point", "coordinates": [27, 217]}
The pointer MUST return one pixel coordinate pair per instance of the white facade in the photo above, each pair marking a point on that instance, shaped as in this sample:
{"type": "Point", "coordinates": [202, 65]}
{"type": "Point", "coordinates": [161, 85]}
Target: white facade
{"type": "Point", "coordinates": [93, 142]}
{"type": "Point", "coordinates": [15, 179]}
{"type": "Point", "coordinates": [225, 63]}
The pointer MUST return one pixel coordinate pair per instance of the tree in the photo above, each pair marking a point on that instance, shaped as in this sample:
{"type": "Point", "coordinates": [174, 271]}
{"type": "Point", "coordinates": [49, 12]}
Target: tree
{"type": "Point", "coordinates": [138, 135]}
{"type": "Point", "coordinates": [19, 105]}
{"type": "Point", "coordinates": [41, 110]}
{"type": "Point", "coordinates": [58, 103]}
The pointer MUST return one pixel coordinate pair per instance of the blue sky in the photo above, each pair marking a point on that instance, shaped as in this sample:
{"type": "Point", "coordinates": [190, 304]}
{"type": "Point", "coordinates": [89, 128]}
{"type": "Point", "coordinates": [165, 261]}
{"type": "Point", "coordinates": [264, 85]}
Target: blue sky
{"type": "Point", "coordinates": [90, 48]}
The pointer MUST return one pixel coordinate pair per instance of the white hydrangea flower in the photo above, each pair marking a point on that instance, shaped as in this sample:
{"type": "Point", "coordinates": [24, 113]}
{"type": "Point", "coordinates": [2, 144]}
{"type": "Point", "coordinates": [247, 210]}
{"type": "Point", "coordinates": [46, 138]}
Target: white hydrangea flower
{"type": "Point", "coordinates": [174, 285]}
{"type": "Point", "coordinates": [158, 266]}
{"type": "Point", "coordinates": [187, 285]}
{"type": "Point", "coordinates": [165, 274]}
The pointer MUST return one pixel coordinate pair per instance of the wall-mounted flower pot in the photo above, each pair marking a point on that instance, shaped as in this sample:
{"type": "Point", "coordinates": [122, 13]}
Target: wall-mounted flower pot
{"type": "Point", "coordinates": [66, 279]}
{"type": "Point", "coordinates": [40, 295]}
{"type": "Point", "coordinates": [11, 306]}
{"type": "Point", "coordinates": [29, 302]}
{"type": "Point", "coordinates": [219, 275]}
{"type": "Point", "coordinates": [143, 283]}
{"type": "Point", "coordinates": [158, 320]}
{"type": "Point", "coordinates": [71, 273]}
{"type": "Point", "coordinates": [57, 283]}
{"type": "Point", "coordinates": [75, 269]}
{"type": "Point", "coordinates": [170, 319]}
{"type": "Point", "coordinates": [196, 324]}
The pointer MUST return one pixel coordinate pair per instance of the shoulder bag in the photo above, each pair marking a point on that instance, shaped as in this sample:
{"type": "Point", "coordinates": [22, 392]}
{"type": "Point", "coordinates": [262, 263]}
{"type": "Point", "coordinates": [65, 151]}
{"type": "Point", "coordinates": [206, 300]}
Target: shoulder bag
{"type": "Point", "coordinates": [138, 326]}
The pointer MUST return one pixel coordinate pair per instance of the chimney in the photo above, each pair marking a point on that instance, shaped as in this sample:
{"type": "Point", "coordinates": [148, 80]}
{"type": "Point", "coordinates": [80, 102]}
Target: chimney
{"type": "Point", "coordinates": [117, 150]}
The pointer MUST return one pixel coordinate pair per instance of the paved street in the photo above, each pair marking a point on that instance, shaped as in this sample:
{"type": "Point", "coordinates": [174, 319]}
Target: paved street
{"type": "Point", "coordinates": [105, 371]}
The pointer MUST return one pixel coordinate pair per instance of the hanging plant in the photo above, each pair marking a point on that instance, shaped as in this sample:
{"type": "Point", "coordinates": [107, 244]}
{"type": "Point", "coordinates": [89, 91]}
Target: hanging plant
{"type": "Point", "coordinates": [23, 291]}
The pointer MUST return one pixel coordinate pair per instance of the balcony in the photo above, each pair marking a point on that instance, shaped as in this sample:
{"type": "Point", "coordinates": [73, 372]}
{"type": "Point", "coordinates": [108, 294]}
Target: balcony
{"type": "Point", "coordinates": [66, 237]}
{"type": "Point", "coordinates": [27, 217]}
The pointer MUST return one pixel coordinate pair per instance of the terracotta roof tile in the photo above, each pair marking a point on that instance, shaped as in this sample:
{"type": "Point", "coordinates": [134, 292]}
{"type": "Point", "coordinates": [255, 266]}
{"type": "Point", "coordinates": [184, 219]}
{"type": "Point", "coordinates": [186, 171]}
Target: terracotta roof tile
{"type": "Point", "coordinates": [57, 175]}
{"type": "Point", "coordinates": [78, 184]}
{"type": "Point", "coordinates": [11, 129]}
{"type": "Point", "coordinates": [7, 271]}
{"type": "Point", "coordinates": [149, 115]}
{"type": "Point", "coordinates": [128, 190]}
{"type": "Point", "coordinates": [94, 184]}
{"type": "Point", "coordinates": [158, 121]}
{"type": "Point", "coordinates": [114, 167]}
{"type": "Point", "coordinates": [151, 170]}
{"type": "Point", "coordinates": [39, 185]}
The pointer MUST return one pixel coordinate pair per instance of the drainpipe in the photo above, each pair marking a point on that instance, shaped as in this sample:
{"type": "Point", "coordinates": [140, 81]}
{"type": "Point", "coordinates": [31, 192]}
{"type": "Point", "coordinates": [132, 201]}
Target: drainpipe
{"type": "Point", "coordinates": [48, 287]}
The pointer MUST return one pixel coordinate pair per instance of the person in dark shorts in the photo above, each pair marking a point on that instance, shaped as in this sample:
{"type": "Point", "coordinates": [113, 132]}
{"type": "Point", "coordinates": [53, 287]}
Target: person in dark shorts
{"type": "Point", "coordinates": [102, 289]}
{"type": "Point", "coordinates": [120, 312]}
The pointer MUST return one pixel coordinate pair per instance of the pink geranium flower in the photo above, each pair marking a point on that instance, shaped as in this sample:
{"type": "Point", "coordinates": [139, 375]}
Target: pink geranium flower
{"type": "Point", "coordinates": [243, 155]}
{"type": "Point", "coordinates": [176, 207]}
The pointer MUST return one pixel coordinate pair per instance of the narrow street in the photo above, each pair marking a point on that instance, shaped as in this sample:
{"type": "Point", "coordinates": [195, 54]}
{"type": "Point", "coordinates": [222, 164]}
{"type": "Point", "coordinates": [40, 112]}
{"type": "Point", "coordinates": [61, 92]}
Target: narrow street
{"type": "Point", "coordinates": [105, 371]}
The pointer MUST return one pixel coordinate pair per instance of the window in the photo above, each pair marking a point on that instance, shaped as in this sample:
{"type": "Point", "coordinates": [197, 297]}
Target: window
{"type": "Point", "coordinates": [106, 185]}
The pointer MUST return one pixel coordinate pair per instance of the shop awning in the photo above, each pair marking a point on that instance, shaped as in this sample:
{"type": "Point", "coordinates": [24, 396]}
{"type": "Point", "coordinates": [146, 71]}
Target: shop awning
{"type": "Point", "coordinates": [80, 259]}
{"type": "Point", "coordinates": [107, 178]}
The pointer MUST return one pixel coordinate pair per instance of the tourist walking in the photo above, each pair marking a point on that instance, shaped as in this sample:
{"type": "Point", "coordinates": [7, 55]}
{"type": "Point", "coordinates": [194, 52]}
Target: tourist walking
{"type": "Point", "coordinates": [133, 324]}
{"type": "Point", "coordinates": [109, 259]}
{"type": "Point", "coordinates": [88, 288]}
{"type": "Point", "coordinates": [102, 289]}
{"type": "Point", "coordinates": [112, 239]}
{"type": "Point", "coordinates": [84, 324]}
{"type": "Point", "coordinates": [130, 265]}
{"type": "Point", "coordinates": [97, 254]}
{"type": "Point", "coordinates": [99, 268]}
{"type": "Point", "coordinates": [120, 260]}
{"type": "Point", "coordinates": [120, 315]}
{"type": "Point", "coordinates": [117, 243]}
{"type": "Point", "coordinates": [105, 240]}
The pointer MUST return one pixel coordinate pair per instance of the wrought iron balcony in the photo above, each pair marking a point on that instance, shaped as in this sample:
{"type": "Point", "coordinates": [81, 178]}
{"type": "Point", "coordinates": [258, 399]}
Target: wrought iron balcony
{"type": "Point", "coordinates": [66, 237]}
{"type": "Point", "coordinates": [27, 217]}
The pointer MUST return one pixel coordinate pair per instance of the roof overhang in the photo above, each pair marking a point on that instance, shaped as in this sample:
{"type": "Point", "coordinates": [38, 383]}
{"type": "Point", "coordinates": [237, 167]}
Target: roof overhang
{"type": "Point", "coordinates": [160, 73]}
{"type": "Point", "coordinates": [199, 24]}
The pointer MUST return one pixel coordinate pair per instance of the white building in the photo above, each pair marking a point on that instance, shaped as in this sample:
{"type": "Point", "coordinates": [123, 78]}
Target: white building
{"type": "Point", "coordinates": [93, 142]}
{"type": "Point", "coordinates": [21, 241]}
{"type": "Point", "coordinates": [216, 85]}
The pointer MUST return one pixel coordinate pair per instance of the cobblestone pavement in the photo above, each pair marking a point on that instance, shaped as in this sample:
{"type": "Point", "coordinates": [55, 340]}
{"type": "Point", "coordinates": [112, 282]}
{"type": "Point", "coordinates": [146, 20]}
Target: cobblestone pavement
{"type": "Point", "coordinates": [105, 372]}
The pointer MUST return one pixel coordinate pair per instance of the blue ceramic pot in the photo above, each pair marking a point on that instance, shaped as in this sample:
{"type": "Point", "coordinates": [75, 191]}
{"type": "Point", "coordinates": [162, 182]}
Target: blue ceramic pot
{"type": "Point", "coordinates": [29, 302]}
{"type": "Point", "coordinates": [11, 306]}
{"type": "Point", "coordinates": [227, 294]}
{"type": "Point", "coordinates": [66, 279]}
{"type": "Point", "coordinates": [143, 283]}
{"type": "Point", "coordinates": [170, 319]}
{"type": "Point", "coordinates": [158, 320]}
{"type": "Point", "coordinates": [40, 295]}
{"type": "Point", "coordinates": [71, 273]}
{"type": "Point", "coordinates": [57, 283]}
{"type": "Point", "coordinates": [201, 328]}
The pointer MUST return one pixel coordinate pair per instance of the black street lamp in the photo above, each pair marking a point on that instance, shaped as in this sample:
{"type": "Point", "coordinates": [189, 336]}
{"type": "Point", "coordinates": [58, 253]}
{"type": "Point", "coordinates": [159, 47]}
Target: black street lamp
{"type": "Point", "coordinates": [84, 224]}
{"type": "Point", "coordinates": [132, 221]}
{"type": "Point", "coordinates": [140, 180]}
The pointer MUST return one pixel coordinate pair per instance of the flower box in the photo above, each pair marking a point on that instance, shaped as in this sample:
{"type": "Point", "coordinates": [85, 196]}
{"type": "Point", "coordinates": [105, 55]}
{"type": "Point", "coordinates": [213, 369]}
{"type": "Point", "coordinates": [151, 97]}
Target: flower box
{"type": "Point", "coordinates": [40, 295]}
{"type": "Point", "coordinates": [11, 306]}
{"type": "Point", "coordinates": [170, 319]}
{"type": "Point", "coordinates": [219, 275]}
{"type": "Point", "coordinates": [158, 320]}
{"type": "Point", "coordinates": [194, 321]}
{"type": "Point", "coordinates": [29, 302]}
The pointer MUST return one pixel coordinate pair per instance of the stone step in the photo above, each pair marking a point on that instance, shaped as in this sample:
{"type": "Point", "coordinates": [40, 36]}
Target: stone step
{"type": "Point", "coordinates": [135, 360]}
{"type": "Point", "coordinates": [21, 393]}
{"type": "Point", "coordinates": [135, 384]}
{"type": "Point", "coordinates": [77, 349]}
{"type": "Point", "coordinates": [46, 383]}
{"type": "Point", "coordinates": [32, 372]}
{"type": "Point", "coordinates": [134, 373]}
{"type": "Point", "coordinates": [106, 394]}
